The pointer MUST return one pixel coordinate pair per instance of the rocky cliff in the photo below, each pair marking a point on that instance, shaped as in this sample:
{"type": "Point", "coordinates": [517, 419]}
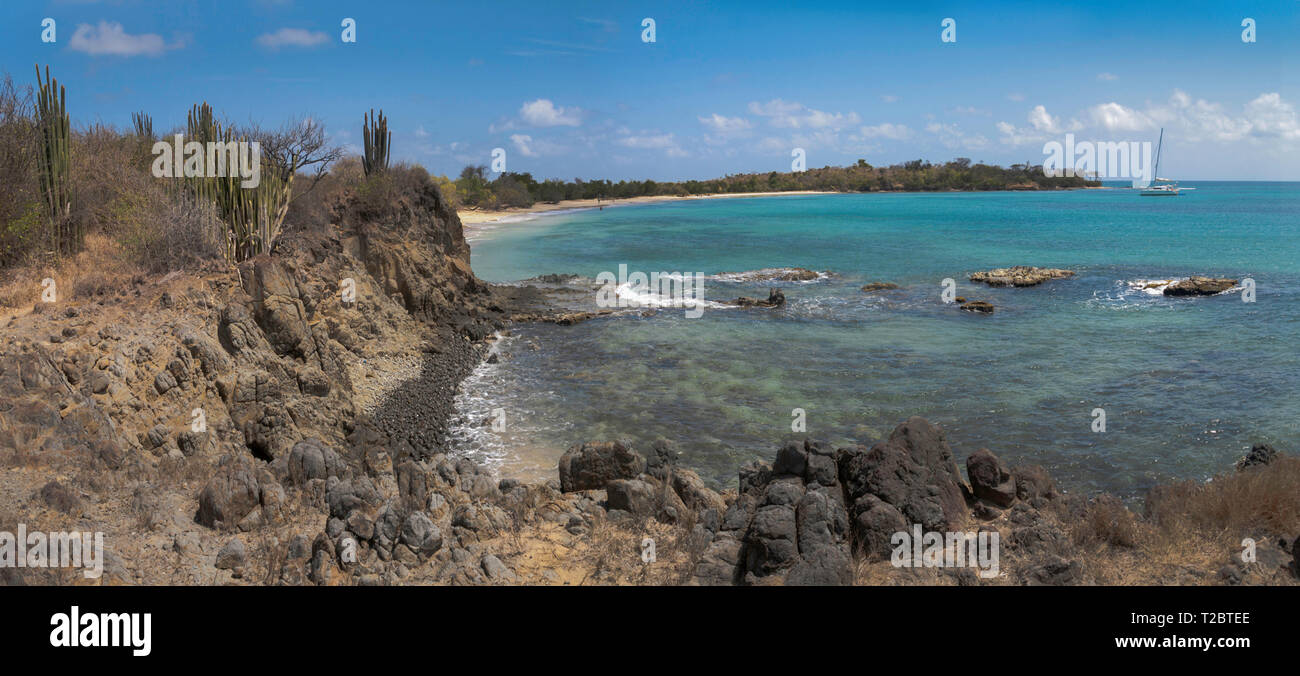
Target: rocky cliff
{"type": "Point", "coordinates": [284, 422]}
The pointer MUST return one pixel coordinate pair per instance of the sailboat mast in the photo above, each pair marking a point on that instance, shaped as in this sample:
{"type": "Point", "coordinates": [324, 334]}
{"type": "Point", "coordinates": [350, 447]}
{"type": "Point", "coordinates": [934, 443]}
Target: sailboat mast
{"type": "Point", "coordinates": [1159, 146]}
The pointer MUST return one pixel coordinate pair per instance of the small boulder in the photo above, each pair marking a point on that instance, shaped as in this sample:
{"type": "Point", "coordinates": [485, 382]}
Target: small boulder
{"type": "Point", "coordinates": [594, 464]}
{"type": "Point", "coordinates": [1199, 286]}
{"type": "Point", "coordinates": [990, 479]}
{"type": "Point", "coordinates": [1260, 454]}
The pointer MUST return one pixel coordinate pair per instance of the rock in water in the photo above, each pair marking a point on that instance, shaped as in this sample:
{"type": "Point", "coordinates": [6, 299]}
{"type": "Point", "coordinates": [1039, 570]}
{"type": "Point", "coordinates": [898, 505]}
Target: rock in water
{"type": "Point", "coordinates": [1260, 454]}
{"type": "Point", "coordinates": [1019, 275]}
{"type": "Point", "coordinates": [978, 306]}
{"type": "Point", "coordinates": [774, 299]}
{"type": "Point", "coordinates": [1200, 286]}
{"type": "Point", "coordinates": [879, 286]}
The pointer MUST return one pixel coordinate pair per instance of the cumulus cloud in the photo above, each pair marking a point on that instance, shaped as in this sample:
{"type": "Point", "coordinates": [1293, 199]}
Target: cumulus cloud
{"type": "Point", "coordinates": [1269, 115]}
{"type": "Point", "coordinates": [1042, 125]}
{"type": "Point", "coordinates": [792, 115]}
{"type": "Point", "coordinates": [952, 136]}
{"type": "Point", "coordinates": [887, 130]}
{"type": "Point", "coordinates": [523, 143]}
{"type": "Point", "coordinates": [544, 113]}
{"type": "Point", "coordinates": [667, 142]}
{"type": "Point", "coordinates": [721, 124]}
{"type": "Point", "coordinates": [109, 38]}
{"type": "Point", "coordinates": [292, 37]}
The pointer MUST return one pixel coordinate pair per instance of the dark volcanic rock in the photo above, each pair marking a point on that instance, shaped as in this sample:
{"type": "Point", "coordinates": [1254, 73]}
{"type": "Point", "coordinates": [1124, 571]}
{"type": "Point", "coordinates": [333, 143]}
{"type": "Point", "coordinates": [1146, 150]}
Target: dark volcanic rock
{"type": "Point", "coordinates": [1200, 286]}
{"type": "Point", "coordinates": [978, 306]}
{"type": "Point", "coordinates": [913, 471]}
{"type": "Point", "coordinates": [990, 479]}
{"type": "Point", "coordinates": [774, 299]}
{"type": "Point", "coordinates": [1260, 454]}
{"type": "Point", "coordinates": [789, 525]}
{"type": "Point", "coordinates": [594, 464]}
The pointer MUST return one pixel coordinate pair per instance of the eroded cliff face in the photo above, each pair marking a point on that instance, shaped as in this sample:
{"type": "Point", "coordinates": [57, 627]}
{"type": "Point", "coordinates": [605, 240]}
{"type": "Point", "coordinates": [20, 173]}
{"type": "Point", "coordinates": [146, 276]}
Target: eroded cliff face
{"type": "Point", "coordinates": [302, 395]}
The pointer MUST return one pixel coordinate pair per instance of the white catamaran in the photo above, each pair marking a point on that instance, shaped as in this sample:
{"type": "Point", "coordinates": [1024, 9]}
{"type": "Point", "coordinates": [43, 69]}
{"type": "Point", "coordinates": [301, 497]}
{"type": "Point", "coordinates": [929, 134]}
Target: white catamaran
{"type": "Point", "coordinates": [1161, 186]}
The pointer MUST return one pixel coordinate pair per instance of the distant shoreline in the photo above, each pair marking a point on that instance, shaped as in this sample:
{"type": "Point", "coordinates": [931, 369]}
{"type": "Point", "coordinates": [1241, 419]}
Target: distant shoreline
{"type": "Point", "coordinates": [472, 217]}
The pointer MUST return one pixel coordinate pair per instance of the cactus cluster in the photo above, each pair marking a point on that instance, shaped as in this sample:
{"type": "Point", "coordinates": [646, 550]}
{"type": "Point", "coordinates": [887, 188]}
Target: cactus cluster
{"type": "Point", "coordinates": [143, 125]}
{"type": "Point", "coordinates": [253, 216]}
{"type": "Point", "coordinates": [377, 141]}
{"type": "Point", "coordinates": [55, 134]}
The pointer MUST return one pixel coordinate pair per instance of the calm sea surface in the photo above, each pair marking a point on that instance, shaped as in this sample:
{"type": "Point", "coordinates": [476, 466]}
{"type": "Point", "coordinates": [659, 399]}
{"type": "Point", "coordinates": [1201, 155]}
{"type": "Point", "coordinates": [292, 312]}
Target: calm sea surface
{"type": "Point", "coordinates": [1187, 384]}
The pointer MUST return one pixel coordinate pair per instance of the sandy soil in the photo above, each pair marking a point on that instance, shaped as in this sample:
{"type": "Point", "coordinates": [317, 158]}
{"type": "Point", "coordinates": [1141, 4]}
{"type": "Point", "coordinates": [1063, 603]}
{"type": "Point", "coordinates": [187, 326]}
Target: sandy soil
{"type": "Point", "coordinates": [471, 217]}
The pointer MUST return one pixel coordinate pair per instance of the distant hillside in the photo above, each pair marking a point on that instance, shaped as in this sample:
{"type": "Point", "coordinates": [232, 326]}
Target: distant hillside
{"type": "Point", "coordinates": [511, 189]}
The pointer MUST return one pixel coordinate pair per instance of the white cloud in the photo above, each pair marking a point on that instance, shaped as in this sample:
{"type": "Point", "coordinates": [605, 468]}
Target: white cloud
{"type": "Point", "coordinates": [292, 37]}
{"type": "Point", "coordinates": [951, 136]}
{"type": "Point", "coordinates": [420, 132]}
{"type": "Point", "coordinates": [789, 114]}
{"type": "Point", "coordinates": [523, 143]}
{"type": "Point", "coordinates": [888, 130]}
{"type": "Point", "coordinates": [726, 125]}
{"type": "Point", "coordinates": [651, 141]}
{"type": "Point", "coordinates": [544, 113]}
{"type": "Point", "coordinates": [1107, 77]}
{"type": "Point", "coordinates": [889, 98]}
{"type": "Point", "coordinates": [1042, 125]}
{"type": "Point", "coordinates": [1115, 117]}
{"type": "Point", "coordinates": [1269, 115]}
{"type": "Point", "coordinates": [109, 38]}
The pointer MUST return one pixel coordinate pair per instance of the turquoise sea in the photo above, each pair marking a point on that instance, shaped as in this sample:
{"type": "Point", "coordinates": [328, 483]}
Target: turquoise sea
{"type": "Point", "coordinates": [1187, 384]}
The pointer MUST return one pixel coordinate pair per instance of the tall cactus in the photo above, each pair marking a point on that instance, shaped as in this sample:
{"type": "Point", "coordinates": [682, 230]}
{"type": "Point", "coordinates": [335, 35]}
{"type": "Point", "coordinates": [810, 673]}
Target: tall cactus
{"type": "Point", "coordinates": [143, 125]}
{"type": "Point", "coordinates": [55, 133]}
{"type": "Point", "coordinates": [253, 216]}
{"type": "Point", "coordinates": [378, 141]}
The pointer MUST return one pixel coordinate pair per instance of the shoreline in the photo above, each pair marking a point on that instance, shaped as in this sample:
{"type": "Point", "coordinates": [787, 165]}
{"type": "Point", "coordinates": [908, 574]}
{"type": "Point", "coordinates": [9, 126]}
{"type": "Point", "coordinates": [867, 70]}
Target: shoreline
{"type": "Point", "coordinates": [473, 217]}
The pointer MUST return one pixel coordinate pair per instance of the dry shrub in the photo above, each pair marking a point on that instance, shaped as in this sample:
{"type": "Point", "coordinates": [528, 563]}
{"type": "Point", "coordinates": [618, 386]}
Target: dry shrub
{"type": "Point", "coordinates": [1261, 499]}
{"type": "Point", "coordinates": [313, 203]}
{"type": "Point", "coordinates": [21, 214]}
{"type": "Point", "coordinates": [158, 224]}
{"type": "Point", "coordinates": [1107, 522]}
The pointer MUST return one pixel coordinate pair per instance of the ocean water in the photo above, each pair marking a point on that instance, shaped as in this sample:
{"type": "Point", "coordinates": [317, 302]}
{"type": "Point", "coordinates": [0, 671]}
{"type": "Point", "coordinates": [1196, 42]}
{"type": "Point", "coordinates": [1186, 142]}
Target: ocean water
{"type": "Point", "coordinates": [1186, 384]}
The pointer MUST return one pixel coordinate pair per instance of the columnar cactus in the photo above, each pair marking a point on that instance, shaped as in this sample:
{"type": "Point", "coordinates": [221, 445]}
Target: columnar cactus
{"type": "Point", "coordinates": [143, 125]}
{"type": "Point", "coordinates": [378, 141]}
{"type": "Point", "coordinates": [55, 152]}
{"type": "Point", "coordinates": [253, 216]}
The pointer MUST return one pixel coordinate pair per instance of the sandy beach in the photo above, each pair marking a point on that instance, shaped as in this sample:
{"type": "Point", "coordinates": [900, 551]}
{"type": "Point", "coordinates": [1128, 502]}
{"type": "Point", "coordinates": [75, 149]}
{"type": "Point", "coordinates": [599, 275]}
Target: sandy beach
{"type": "Point", "coordinates": [471, 217]}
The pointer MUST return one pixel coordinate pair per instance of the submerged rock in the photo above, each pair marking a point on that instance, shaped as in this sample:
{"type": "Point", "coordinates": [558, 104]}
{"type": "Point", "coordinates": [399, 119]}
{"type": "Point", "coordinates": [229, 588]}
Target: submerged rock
{"type": "Point", "coordinates": [879, 286]}
{"type": "Point", "coordinates": [978, 306]}
{"type": "Point", "coordinates": [1200, 286]}
{"type": "Point", "coordinates": [1019, 275]}
{"type": "Point", "coordinates": [773, 275]}
{"type": "Point", "coordinates": [774, 299]}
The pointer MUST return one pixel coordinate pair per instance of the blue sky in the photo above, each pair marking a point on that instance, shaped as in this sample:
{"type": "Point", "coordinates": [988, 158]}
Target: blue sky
{"type": "Point", "coordinates": [569, 89]}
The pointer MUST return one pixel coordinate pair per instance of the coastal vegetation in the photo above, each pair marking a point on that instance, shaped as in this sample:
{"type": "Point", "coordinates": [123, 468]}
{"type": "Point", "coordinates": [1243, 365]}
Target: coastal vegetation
{"type": "Point", "coordinates": [511, 189]}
